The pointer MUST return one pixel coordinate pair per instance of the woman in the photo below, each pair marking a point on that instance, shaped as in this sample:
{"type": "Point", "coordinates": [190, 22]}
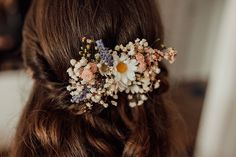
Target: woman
{"type": "Point", "coordinates": [55, 124]}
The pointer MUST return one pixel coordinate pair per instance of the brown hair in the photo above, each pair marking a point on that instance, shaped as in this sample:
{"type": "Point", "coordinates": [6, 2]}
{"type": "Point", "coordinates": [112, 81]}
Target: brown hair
{"type": "Point", "coordinates": [52, 34]}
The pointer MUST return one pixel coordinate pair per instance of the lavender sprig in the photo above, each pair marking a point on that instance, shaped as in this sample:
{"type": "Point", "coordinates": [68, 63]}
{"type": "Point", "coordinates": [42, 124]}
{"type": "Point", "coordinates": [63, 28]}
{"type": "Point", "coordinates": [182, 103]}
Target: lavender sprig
{"type": "Point", "coordinates": [104, 53]}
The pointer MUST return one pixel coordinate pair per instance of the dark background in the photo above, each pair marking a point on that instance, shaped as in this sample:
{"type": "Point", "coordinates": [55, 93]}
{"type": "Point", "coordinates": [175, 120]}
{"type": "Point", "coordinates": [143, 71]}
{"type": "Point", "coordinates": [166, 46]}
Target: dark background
{"type": "Point", "coordinates": [12, 14]}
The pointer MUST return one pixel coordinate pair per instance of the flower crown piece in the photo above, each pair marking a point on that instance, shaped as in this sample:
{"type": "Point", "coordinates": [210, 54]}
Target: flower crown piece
{"type": "Point", "coordinates": [102, 73]}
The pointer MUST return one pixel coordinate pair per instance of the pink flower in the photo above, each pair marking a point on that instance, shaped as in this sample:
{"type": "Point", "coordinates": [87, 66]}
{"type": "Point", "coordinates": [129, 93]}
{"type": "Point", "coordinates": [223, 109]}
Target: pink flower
{"type": "Point", "coordinates": [157, 56]}
{"type": "Point", "coordinates": [87, 75]}
{"type": "Point", "coordinates": [142, 67]}
{"type": "Point", "coordinates": [93, 67]}
{"type": "Point", "coordinates": [170, 55]}
{"type": "Point", "coordinates": [141, 60]}
{"type": "Point", "coordinates": [139, 57]}
{"type": "Point", "coordinates": [149, 50]}
{"type": "Point", "coordinates": [148, 61]}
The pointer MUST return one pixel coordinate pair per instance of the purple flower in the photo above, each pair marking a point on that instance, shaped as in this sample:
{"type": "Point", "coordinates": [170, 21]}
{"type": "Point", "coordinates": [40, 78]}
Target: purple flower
{"type": "Point", "coordinates": [106, 57]}
{"type": "Point", "coordinates": [104, 53]}
{"type": "Point", "coordinates": [100, 44]}
{"type": "Point", "coordinates": [79, 98]}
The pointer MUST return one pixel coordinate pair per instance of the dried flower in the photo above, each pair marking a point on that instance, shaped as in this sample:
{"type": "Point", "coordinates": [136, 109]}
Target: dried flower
{"type": "Point", "coordinates": [132, 69]}
{"type": "Point", "coordinates": [87, 75]}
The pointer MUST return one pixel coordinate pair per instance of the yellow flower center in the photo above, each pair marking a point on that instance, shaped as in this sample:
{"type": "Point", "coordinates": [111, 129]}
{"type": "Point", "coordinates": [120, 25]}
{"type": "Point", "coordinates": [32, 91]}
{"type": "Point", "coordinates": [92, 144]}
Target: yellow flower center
{"type": "Point", "coordinates": [121, 67]}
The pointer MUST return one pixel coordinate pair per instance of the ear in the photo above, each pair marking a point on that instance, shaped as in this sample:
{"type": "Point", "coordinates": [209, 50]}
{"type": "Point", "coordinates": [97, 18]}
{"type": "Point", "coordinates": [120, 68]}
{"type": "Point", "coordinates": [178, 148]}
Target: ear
{"type": "Point", "coordinates": [29, 72]}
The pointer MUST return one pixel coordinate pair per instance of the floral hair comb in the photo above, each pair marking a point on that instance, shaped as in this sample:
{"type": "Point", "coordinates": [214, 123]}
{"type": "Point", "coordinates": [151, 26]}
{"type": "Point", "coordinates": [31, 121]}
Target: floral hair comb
{"type": "Point", "coordinates": [131, 69]}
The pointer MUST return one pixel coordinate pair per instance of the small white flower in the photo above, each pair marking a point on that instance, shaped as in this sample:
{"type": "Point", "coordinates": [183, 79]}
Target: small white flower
{"type": "Point", "coordinates": [141, 90]}
{"type": "Point", "coordinates": [115, 96]}
{"type": "Point", "coordinates": [122, 87]}
{"type": "Point", "coordinates": [145, 44]}
{"type": "Point", "coordinates": [140, 47]}
{"type": "Point", "coordinates": [113, 88]}
{"type": "Point", "coordinates": [83, 82]}
{"type": "Point", "coordinates": [127, 90]}
{"type": "Point", "coordinates": [73, 62]}
{"type": "Point", "coordinates": [96, 98]}
{"type": "Point", "coordinates": [97, 56]}
{"type": "Point", "coordinates": [89, 105]}
{"type": "Point", "coordinates": [92, 90]}
{"type": "Point", "coordinates": [143, 41]}
{"type": "Point", "coordinates": [121, 47]}
{"type": "Point", "coordinates": [146, 88]}
{"type": "Point", "coordinates": [76, 71]}
{"type": "Point", "coordinates": [130, 46]}
{"type": "Point", "coordinates": [140, 102]}
{"type": "Point", "coordinates": [146, 82]}
{"type": "Point", "coordinates": [124, 49]}
{"type": "Point", "coordinates": [107, 84]}
{"type": "Point", "coordinates": [157, 70]}
{"type": "Point", "coordinates": [75, 93]}
{"type": "Point", "coordinates": [88, 66]}
{"type": "Point", "coordinates": [117, 48]}
{"type": "Point", "coordinates": [131, 52]}
{"type": "Point", "coordinates": [134, 89]}
{"type": "Point", "coordinates": [132, 104]}
{"type": "Point", "coordinates": [114, 103]}
{"type": "Point", "coordinates": [77, 65]}
{"type": "Point", "coordinates": [80, 88]}
{"type": "Point", "coordinates": [75, 78]}
{"type": "Point", "coordinates": [130, 97]}
{"type": "Point", "coordinates": [108, 92]}
{"type": "Point", "coordinates": [144, 97]}
{"type": "Point", "coordinates": [70, 72]}
{"type": "Point", "coordinates": [69, 88]}
{"type": "Point", "coordinates": [73, 82]}
{"type": "Point", "coordinates": [157, 84]}
{"type": "Point", "coordinates": [81, 63]}
{"type": "Point", "coordinates": [88, 96]}
{"type": "Point", "coordinates": [146, 74]}
{"type": "Point", "coordinates": [105, 105]}
{"type": "Point", "coordinates": [137, 40]}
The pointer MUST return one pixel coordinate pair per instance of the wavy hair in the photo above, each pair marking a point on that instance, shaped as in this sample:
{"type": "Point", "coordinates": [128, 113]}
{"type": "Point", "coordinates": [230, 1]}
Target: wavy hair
{"type": "Point", "coordinates": [51, 37]}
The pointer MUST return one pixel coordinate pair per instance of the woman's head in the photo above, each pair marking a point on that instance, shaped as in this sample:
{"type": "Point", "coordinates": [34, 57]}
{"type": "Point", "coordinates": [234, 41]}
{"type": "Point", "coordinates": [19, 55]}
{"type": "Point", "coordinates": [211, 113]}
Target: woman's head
{"type": "Point", "coordinates": [53, 29]}
{"type": "Point", "coordinates": [52, 36]}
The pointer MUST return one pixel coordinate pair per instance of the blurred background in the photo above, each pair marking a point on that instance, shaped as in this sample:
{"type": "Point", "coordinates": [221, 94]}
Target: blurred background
{"type": "Point", "coordinates": [202, 79]}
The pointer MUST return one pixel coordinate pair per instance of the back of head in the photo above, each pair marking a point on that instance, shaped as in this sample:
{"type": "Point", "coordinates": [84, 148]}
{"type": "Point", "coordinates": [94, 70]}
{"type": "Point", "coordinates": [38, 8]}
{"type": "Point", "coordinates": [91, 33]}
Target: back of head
{"type": "Point", "coordinates": [52, 36]}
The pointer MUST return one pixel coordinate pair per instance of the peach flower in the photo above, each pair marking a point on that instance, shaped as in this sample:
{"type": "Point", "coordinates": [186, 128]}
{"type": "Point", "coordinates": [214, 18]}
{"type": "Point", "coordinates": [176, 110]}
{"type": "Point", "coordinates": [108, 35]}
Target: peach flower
{"type": "Point", "coordinates": [170, 55]}
{"type": "Point", "coordinates": [139, 57]}
{"type": "Point", "coordinates": [157, 56]}
{"type": "Point", "coordinates": [141, 60]}
{"type": "Point", "coordinates": [148, 61]}
{"type": "Point", "coordinates": [87, 75]}
{"type": "Point", "coordinates": [93, 67]}
{"type": "Point", "coordinates": [142, 67]}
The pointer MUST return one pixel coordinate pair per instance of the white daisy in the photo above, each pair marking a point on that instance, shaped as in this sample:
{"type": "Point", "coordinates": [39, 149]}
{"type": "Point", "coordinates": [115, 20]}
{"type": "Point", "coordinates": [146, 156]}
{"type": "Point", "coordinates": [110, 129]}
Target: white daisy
{"type": "Point", "coordinates": [124, 69]}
